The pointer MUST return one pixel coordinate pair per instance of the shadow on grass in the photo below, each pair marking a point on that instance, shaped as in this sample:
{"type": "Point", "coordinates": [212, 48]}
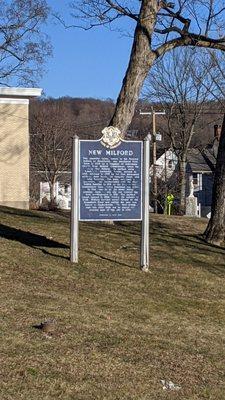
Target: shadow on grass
{"type": "Point", "coordinates": [29, 239]}
{"type": "Point", "coordinates": [193, 250]}
{"type": "Point", "coordinates": [52, 216]}
{"type": "Point", "coordinates": [21, 213]}
{"type": "Point", "coordinates": [192, 241]}
{"type": "Point", "coordinates": [44, 251]}
{"type": "Point", "coordinates": [129, 229]}
{"type": "Point", "coordinates": [111, 260]}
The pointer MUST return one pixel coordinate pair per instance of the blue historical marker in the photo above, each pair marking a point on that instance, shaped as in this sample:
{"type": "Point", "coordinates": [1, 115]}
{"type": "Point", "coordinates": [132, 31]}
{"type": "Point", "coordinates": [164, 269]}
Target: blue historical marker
{"type": "Point", "coordinates": [110, 181]}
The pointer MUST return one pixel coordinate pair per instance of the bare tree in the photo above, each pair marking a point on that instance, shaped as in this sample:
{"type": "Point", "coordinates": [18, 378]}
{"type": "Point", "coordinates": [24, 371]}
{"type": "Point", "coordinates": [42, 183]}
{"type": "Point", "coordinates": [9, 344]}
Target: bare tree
{"type": "Point", "coordinates": [181, 84]}
{"type": "Point", "coordinates": [158, 26]}
{"type": "Point", "coordinates": [51, 132]}
{"type": "Point", "coordinates": [23, 46]}
{"type": "Point", "coordinates": [215, 231]}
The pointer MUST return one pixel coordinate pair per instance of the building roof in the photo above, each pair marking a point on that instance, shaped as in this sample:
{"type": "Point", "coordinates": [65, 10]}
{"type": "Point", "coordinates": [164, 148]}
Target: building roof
{"type": "Point", "coordinates": [16, 92]}
{"type": "Point", "coordinates": [201, 161]}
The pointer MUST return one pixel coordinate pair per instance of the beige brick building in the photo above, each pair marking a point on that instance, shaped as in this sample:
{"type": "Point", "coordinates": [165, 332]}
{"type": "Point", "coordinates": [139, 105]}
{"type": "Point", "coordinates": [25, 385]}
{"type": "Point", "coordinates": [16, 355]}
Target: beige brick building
{"type": "Point", "coordinates": [14, 145]}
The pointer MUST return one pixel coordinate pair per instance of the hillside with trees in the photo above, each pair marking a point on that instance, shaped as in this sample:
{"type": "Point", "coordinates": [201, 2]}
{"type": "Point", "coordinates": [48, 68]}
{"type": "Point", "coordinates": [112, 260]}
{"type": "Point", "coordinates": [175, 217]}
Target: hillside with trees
{"type": "Point", "coordinates": [54, 121]}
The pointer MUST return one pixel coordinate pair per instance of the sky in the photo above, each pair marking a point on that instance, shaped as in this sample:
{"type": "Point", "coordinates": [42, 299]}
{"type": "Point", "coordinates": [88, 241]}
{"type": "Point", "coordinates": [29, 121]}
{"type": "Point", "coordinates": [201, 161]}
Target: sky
{"type": "Point", "coordinates": [85, 63]}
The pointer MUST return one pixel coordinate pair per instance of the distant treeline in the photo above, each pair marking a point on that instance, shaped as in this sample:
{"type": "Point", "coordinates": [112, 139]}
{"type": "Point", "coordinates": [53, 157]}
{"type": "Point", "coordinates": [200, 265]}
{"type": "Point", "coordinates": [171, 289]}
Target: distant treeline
{"type": "Point", "coordinates": [87, 117]}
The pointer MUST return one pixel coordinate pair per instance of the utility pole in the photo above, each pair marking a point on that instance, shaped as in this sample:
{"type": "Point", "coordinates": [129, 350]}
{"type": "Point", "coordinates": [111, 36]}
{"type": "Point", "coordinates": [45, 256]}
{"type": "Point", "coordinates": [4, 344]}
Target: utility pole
{"type": "Point", "coordinates": [154, 151]}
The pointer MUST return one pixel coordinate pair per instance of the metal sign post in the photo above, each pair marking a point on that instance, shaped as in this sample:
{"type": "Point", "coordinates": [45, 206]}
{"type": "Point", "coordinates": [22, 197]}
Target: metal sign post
{"type": "Point", "coordinates": [74, 222]}
{"type": "Point", "coordinates": [145, 207]}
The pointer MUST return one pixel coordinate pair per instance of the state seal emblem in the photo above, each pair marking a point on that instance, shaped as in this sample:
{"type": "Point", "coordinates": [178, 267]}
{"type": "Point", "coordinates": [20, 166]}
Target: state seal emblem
{"type": "Point", "coordinates": [111, 137]}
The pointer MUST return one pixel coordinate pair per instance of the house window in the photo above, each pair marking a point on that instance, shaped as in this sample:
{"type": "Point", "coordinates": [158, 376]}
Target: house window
{"type": "Point", "coordinates": [195, 179]}
{"type": "Point", "coordinates": [170, 164]}
{"type": "Point", "coordinates": [66, 188]}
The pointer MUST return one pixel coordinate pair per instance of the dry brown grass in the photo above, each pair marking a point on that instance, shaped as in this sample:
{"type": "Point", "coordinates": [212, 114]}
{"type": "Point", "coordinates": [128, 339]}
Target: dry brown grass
{"type": "Point", "coordinates": [119, 331]}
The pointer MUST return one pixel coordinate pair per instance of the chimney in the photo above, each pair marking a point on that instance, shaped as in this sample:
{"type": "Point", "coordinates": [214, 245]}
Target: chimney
{"type": "Point", "coordinates": [217, 132]}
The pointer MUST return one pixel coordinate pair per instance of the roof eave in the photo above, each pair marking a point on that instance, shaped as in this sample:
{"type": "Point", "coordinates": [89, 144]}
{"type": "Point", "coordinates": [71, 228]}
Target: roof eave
{"type": "Point", "coordinates": [15, 92]}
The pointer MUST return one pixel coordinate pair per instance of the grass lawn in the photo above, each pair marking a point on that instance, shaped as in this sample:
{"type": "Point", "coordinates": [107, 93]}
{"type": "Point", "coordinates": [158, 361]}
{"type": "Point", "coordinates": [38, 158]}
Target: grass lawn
{"type": "Point", "coordinates": [119, 331]}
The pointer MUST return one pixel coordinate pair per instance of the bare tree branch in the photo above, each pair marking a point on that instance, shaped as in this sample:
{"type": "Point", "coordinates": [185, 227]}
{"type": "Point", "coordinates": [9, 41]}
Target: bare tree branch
{"type": "Point", "coordinates": [23, 47]}
{"type": "Point", "coordinates": [182, 85]}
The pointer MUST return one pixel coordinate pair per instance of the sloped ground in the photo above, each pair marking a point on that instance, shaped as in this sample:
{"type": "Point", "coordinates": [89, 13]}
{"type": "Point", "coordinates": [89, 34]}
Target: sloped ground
{"type": "Point", "coordinates": [119, 331]}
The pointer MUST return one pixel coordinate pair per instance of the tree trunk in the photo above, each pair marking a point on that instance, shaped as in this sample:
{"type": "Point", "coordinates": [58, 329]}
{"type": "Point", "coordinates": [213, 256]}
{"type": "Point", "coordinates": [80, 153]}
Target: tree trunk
{"type": "Point", "coordinates": [52, 192]}
{"type": "Point", "coordinates": [141, 59]}
{"type": "Point", "coordinates": [182, 184]}
{"type": "Point", "coordinates": [215, 231]}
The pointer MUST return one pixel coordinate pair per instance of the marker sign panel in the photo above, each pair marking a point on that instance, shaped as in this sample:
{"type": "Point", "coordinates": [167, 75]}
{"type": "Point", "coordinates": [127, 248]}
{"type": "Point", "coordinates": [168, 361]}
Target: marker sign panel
{"type": "Point", "coordinates": [110, 181]}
